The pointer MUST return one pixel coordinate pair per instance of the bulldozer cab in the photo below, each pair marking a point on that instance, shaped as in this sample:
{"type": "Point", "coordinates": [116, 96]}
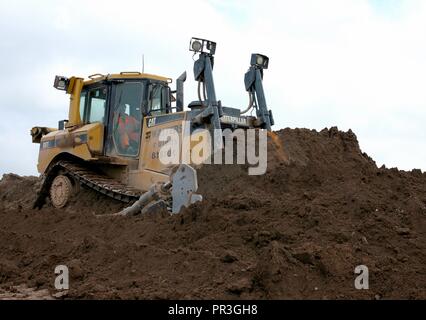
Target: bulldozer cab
{"type": "Point", "coordinates": [121, 106]}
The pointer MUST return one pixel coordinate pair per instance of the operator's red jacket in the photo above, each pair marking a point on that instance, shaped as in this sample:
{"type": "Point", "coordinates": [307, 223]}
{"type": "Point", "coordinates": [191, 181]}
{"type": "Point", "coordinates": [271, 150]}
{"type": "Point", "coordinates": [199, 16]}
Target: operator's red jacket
{"type": "Point", "coordinates": [128, 130]}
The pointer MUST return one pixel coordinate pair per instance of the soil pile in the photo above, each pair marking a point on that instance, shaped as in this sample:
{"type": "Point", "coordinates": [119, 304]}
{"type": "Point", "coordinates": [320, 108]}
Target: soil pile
{"type": "Point", "coordinates": [322, 208]}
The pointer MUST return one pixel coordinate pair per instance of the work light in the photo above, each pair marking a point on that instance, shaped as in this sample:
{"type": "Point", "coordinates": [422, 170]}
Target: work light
{"type": "Point", "coordinates": [196, 46]}
{"type": "Point", "coordinates": [259, 60]}
{"type": "Point", "coordinates": [202, 46]}
{"type": "Point", "coordinates": [61, 83]}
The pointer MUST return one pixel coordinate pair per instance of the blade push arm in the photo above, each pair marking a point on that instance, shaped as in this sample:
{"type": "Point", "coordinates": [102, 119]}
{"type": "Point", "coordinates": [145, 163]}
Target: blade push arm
{"type": "Point", "coordinates": [254, 86]}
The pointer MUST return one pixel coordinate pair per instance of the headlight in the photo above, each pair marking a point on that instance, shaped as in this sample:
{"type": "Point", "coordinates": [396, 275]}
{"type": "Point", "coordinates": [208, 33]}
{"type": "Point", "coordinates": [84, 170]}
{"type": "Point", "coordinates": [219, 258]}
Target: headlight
{"type": "Point", "coordinates": [202, 46]}
{"type": "Point", "coordinates": [196, 46]}
{"type": "Point", "coordinates": [61, 83]}
{"type": "Point", "coordinates": [259, 60]}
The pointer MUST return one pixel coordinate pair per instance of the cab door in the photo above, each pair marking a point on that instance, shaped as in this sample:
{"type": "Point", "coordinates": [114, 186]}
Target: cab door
{"type": "Point", "coordinates": [125, 120]}
{"type": "Point", "coordinates": [94, 114]}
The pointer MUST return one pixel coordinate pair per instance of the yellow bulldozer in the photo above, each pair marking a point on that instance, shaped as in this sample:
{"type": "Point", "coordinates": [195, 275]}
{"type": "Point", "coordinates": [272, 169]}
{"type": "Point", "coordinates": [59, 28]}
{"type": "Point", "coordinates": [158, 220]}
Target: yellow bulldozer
{"type": "Point", "coordinates": [110, 141]}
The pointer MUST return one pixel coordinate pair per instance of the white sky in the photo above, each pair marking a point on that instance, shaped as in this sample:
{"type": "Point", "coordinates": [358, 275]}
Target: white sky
{"type": "Point", "coordinates": [358, 64]}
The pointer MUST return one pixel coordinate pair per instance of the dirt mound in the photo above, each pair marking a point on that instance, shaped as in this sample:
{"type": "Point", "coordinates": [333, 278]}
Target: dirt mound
{"type": "Point", "coordinates": [299, 231]}
{"type": "Point", "coordinates": [16, 192]}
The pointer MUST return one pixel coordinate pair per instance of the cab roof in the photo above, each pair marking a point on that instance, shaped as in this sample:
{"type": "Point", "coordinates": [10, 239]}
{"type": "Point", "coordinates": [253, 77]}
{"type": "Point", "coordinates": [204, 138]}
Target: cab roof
{"type": "Point", "coordinates": [124, 75]}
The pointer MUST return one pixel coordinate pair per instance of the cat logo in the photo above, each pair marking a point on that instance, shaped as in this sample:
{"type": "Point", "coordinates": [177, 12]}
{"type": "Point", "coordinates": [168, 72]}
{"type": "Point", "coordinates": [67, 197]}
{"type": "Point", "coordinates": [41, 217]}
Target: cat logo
{"type": "Point", "coordinates": [151, 122]}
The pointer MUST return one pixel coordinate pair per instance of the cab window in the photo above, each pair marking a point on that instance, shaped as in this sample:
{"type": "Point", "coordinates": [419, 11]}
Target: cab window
{"type": "Point", "coordinates": [96, 105]}
{"type": "Point", "coordinates": [83, 96]}
{"type": "Point", "coordinates": [156, 101]}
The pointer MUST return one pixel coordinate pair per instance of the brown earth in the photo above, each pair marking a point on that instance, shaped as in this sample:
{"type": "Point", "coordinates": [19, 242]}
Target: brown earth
{"type": "Point", "coordinates": [297, 232]}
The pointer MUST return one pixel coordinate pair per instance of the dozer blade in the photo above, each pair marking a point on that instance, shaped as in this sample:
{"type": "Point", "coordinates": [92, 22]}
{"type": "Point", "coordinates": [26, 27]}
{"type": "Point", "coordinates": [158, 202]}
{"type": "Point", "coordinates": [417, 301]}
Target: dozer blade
{"type": "Point", "coordinates": [184, 186]}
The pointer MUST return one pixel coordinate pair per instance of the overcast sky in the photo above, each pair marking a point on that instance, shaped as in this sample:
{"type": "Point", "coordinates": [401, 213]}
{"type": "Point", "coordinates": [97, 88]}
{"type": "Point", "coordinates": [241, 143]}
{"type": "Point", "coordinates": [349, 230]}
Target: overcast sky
{"type": "Point", "coordinates": [358, 64]}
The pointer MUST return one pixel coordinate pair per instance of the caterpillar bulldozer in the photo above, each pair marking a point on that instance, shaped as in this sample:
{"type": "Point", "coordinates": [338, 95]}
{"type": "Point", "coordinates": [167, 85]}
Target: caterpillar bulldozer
{"type": "Point", "coordinates": [110, 141]}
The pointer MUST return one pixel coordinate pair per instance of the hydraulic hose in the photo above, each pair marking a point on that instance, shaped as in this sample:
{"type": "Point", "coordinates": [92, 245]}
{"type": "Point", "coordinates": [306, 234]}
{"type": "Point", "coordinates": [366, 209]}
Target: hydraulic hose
{"type": "Point", "coordinates": [250, 105]}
